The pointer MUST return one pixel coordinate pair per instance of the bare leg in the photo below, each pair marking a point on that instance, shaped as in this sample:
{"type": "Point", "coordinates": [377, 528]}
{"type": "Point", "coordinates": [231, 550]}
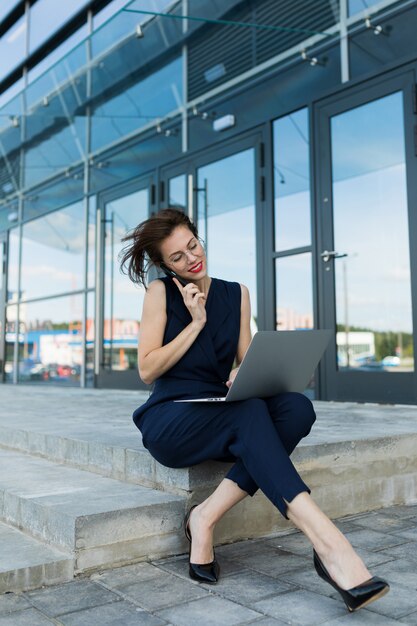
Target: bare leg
{"type": "Point", "coordinates": [205, 516]}
{"type": "Point", "coordinates": [341, 561]}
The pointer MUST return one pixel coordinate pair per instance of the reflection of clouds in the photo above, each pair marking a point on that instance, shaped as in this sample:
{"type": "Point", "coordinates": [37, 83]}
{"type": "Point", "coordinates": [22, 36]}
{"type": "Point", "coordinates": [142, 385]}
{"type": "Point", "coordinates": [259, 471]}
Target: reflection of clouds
{"type": "Point", "coordinates": [292, 221]}
{"type": "Point", "coordinates": [50, 273]}
{"type": "Point", "coordinates": [62, 230]}
{"type": "Point", "coordinates": [371, 225]}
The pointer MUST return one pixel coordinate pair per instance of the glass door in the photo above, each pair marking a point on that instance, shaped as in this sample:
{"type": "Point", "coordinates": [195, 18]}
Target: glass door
{"type": "Point", "coordinates": [366, 153]}
{"type": "Point", "coordinates": [119, 300]}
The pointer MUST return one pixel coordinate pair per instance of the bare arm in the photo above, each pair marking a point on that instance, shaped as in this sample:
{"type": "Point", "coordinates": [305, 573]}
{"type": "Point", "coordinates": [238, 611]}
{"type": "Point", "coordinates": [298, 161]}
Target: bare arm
{"type": "Point", "coordinates": [154, 359]}
{"type": "Point", "coordinates": [245, 335]}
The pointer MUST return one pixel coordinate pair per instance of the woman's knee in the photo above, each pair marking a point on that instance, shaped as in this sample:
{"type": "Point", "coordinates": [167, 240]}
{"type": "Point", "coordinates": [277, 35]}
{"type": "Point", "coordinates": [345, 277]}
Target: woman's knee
{"type": "Point", "coordinates": [303, 410]}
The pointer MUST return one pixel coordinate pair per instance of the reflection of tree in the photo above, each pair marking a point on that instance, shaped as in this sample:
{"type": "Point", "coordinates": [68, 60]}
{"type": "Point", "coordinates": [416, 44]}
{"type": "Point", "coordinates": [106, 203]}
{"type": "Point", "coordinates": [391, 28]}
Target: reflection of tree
{"type": "Point", "coordinates": [386, 342]}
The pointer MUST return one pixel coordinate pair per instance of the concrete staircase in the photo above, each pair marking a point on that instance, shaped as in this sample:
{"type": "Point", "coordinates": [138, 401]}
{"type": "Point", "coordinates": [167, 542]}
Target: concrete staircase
{"type": "Point", "coordinates": [78, 492]}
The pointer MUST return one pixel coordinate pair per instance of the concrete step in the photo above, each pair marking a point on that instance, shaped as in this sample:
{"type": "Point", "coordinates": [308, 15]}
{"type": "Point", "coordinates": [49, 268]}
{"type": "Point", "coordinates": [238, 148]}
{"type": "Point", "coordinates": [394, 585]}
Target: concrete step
{"type": "Point", "coordinates": [101, 521]}
{"type": "Point", "coordinates": [26, 563]}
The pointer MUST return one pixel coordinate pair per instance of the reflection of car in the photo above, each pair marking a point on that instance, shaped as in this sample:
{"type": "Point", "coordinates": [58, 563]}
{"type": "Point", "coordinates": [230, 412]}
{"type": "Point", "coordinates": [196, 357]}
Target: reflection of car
{"type": "Point", "coordinates": [391, 361]}
{"type": "Point", "coordinates": [371, 364]}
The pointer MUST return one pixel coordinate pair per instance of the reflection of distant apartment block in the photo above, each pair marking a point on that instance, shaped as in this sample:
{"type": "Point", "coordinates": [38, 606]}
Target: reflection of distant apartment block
{"type": "Point", "coordinates": [361, 346]}
{"type": "Point", "coordinates": [122, 329]}
{"type": "Point", "coordinates": [288, 319]}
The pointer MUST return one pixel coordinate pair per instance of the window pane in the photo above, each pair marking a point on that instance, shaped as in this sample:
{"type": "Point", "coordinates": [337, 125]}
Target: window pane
{"type": "Point", "coordinates": [13, 265]}
{"type": "Point", "coordinates": [226, 219]}
{"type": "Point", "coordinates": [178, 192]}
{"type": "Point", "coordinates": [91, 243]}
{"type": "Point", "coordinates": [294, 292]}
{"type": "Point", "coordinates": [53, 253]}
{"type": "Point", "coordinates": [372, 278]}
{"type": "Point", "coordinates": [50, 341]}
{"type": "Point", "coordinates": [13, 47]}
{"type": "Point", "coordinates": [47, 16]}
{"type": "Point", "coordinates": [146, 101]}
{"type": "Point", "coordinates": [66, 48]}
{"type": "Point", "coordinates": [6, 6]}
{"type": "Point", "coordinates": [357, 6]}
{"type": "Point", "coordinates": [89, 339]}
{"type": "Point", "coordinates": [292, 181]}
{"type": "Point", "coordinates": [10, 338]}
{"type": "Point", "coordinates": [123, 300]}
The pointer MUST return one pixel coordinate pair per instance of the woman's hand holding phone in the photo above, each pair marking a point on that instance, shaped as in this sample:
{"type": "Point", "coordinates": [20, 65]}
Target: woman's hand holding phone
{"type": "Point", "coordinates": [195, 301]}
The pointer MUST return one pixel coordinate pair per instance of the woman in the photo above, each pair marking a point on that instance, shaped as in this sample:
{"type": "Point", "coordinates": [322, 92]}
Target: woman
{"type": "Point", "coordinates": [192, 331]}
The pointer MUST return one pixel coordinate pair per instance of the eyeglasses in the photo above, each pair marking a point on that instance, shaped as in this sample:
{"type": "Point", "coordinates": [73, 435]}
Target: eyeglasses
{"type": "Point", "coordinates": [194, 249]}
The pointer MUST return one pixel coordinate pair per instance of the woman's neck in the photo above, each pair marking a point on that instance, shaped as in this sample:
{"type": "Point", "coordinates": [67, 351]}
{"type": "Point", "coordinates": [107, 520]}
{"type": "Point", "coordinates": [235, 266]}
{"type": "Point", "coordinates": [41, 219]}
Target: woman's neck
{"type": "Point", "coordinates": [203, 284]}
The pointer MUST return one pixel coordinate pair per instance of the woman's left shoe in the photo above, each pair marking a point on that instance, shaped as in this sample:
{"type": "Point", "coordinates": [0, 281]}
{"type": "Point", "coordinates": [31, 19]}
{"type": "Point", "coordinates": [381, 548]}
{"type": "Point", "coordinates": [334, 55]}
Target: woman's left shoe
{"type": "Point", "coordinates": [205, 572]}
{"type": "Point", "coordinates": [359, 596]}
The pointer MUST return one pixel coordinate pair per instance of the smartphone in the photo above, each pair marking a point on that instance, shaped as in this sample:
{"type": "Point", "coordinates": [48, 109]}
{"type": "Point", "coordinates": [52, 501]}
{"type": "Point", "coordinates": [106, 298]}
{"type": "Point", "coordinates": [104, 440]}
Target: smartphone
{"type": "Point", "coordinates": [173, 274]}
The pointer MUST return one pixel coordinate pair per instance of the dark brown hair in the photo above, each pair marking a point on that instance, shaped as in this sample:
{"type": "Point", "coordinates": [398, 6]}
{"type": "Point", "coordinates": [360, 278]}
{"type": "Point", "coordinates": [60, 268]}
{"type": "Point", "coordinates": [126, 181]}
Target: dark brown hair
{"type": "Point", "coordinates": [144, 242]}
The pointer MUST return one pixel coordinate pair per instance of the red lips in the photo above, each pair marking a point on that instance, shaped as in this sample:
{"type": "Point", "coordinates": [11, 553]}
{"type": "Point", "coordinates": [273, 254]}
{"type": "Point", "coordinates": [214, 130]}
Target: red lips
{"type": "Point", "coordinates": [196, 268]}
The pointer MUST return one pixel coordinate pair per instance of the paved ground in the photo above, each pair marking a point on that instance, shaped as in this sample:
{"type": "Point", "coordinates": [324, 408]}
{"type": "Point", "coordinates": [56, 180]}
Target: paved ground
{"type": "Point", "coordinates": [268, 581]}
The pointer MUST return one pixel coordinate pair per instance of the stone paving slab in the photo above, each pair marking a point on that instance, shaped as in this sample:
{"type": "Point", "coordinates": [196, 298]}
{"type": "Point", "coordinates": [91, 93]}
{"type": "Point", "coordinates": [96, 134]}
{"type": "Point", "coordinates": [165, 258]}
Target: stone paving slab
{"type": "Point", "coordinates": [160, 593]}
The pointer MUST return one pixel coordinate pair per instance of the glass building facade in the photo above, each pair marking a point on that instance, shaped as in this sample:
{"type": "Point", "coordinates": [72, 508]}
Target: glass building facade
{"type": "Point", "coordinates": [286, 129]}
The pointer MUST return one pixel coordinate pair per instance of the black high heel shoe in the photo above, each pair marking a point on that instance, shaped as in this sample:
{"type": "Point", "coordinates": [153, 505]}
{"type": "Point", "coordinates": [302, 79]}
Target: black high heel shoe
{"type": "Point", "coordinates": [359, 596]}
{"type": "Point", "coordinates": [206, 572]}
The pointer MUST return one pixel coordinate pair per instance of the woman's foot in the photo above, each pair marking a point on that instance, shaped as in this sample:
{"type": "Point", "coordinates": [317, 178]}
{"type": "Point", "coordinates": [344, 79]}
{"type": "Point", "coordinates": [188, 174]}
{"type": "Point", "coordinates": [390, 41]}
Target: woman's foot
{"type": "Point", "coordinates": [201, 532]}
{"type": "Point", "coordinates": [342, 563]}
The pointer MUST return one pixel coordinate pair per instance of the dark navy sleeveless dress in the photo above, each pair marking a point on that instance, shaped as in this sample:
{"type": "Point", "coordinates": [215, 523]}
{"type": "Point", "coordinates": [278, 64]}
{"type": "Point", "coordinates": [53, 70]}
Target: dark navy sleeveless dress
{"type": "Point", "coordinates": [259, 435]}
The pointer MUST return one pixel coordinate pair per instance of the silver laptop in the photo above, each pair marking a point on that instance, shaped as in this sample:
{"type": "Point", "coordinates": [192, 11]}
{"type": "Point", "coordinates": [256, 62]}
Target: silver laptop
{"type": "Point", "coordinates": [275, 362]}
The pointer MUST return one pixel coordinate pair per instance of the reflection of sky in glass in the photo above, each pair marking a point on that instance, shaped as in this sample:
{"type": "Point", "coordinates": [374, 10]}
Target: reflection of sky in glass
{"type": "Point", "coordinates": [13, 264]}
{"type": "Point", "coordinates": [178, 191]}
{"type": "Point", "coordinates": [53, 253]}
{"type": "Point", "coordinates": [294, 292]}
{"type": "Point", "coordinates": [292, 181]}
{"type": "Point", "coordinates": [370, 216]}
{"type": "Point", "coordinates": [230, 240]}
{"type": "Point", "coordinates": [46, 16]}
{"type": "Point", "coordinates": [357, 6]}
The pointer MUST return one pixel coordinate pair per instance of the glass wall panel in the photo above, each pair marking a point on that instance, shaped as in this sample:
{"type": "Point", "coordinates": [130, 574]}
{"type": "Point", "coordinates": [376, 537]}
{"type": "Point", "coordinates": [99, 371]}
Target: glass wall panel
{"type": "Point", "coordinates": [148, 100]}
{"type": "Point", "coordinates": [91, 242]}
{"type": "Point", "coordinates": [53, 253]}
{"type": "Point", "coordinates": [13, 266]}
{"type": "Point", "coordinates": [10, 338]}
{"type": "Point", "coordinates": [89, 339]}
{"type": "Point", "coordinates": [122, 299]}
{"type": "Point", "coordinates": [294, 292]}
{"type": "Point", "coordinates": [226, 219]}
{"type": "Point", "coordinates": [372, 277]}
{"type": "Point", "coordinates": [357, 6]}
{"type": "Point", "coordinates": [7, 95]}
{"type": "Point", "coordinates": [13, 47]}
{"type": "Point", "coordinates": [10, 141]}
{"type": "Point", "coordinates": [47, 16]}
{"type": "Point", "coordinates": [177, 192]}
{"type": "Point", "coordinates": [292, 181]}
{"type": "Point", "coordinates": [50, 340]}
{"type": "Point", "coordinates": [6, 6]}
{"type": "Point", "coordinates": [67, 49]}
{"type": "Point", "coordinates": [8, 215]}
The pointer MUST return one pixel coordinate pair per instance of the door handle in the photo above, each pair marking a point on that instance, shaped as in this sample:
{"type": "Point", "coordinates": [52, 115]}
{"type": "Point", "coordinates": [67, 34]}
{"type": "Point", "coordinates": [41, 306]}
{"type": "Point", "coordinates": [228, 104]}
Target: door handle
{"type": "Point", "coordinates": [326, 255]}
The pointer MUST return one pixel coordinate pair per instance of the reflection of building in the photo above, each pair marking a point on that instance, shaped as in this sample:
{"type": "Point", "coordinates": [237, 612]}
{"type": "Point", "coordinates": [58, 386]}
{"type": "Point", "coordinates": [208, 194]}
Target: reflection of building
{"type": "Point", "coordinates": [182, 104]}
{"type": "Point", "coordinates": [288, 319]}
{"type": "Point", "coordinates": [361, 346]}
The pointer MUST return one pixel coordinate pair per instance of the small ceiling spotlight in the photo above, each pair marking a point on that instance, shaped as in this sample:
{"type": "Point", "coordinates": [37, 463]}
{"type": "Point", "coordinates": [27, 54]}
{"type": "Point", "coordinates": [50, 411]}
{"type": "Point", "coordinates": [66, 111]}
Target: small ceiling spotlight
{"type": "Point", "coordinates": [204, 115]}
{"type": "Point", "coordinates": [377, 29]}
{"type": "Point", "coordinates": [171, 132]}
{"type": "Point", "coordinates": [45, 101]}
{"type": "Point", "coordinates": [15, 121]}
{"type": "Point", "coordinates": [138, 31]}
{"type": "Point", "coordinates": [311, 60]}
{"type": "Point", "coordinates": [158, 129]}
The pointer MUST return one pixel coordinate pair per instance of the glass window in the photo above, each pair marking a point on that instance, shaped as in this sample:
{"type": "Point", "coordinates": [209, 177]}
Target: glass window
{"type": "Point", "coordinates": [370, 221]}
{"type": "Point", "coordinates": [177, 193]}
{"type": "Point", "coordinates": [6, 7]}
{"type": "Point", "coordinates": [6, 97]}
{"type": "Point", "coordinates": [294, 292]}
{"type": "Point", "coordinates": [47, 16]}
{"type": "Point", "coordinates": [226, 219]}
{"type": "Point", "coordinates": [13, 47]}
{"type": "Point", "coordinates": [65, 49]}
{"type": "Point", "coordinates": [357, 6]}
{"type": "Point", "coordinates": [89, 340]}
{"type": "Point", "coordinates": [53, 253]}
{"type": "Point", "coordinates": [10, 339]}
{"type": "Point", "coordinates": [13, 265]}
{"type": "Point", "coordinates": [146, 101]}
{"type": "Point", "coordinates": [122, 299]}
{"type": "Point", "coordinates": [292, 181]}
{"type": "Point", "coordinates": [50, 340]}
{"type": "Point", "coordinates": [91, 242]}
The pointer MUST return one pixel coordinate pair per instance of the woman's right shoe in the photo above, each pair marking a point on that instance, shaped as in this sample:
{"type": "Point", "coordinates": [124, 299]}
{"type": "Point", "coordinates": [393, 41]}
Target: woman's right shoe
{"type": "Point", "coordinates": [205, 572]}
{"type": "Point", "coordinates": [359, 596]}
